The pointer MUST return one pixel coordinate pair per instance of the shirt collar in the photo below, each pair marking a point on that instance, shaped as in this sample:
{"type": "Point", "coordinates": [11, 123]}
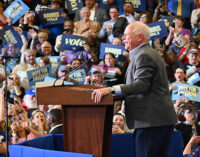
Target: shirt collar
{"type": "Point", "coordinates": [55, 127]}
{"type": "Point", "coordinates": [133, 51]}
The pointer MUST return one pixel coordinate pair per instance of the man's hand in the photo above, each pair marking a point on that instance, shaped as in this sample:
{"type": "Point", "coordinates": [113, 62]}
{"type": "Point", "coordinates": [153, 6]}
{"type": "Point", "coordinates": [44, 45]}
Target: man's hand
{"type": "Point", "coordinates": [98, 94]}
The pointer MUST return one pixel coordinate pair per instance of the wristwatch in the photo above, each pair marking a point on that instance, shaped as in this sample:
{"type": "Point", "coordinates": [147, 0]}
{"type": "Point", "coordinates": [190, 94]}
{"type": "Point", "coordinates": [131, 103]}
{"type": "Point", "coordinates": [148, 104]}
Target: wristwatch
{"type": "Point", "coordinates": [112, 90]}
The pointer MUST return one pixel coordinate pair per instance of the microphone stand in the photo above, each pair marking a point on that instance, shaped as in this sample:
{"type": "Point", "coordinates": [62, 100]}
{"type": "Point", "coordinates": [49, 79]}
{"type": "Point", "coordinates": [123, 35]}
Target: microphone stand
{"type": "Point", "coordinates": [6, 102]}
{"type": "Point", "coordinates": [73, 71]}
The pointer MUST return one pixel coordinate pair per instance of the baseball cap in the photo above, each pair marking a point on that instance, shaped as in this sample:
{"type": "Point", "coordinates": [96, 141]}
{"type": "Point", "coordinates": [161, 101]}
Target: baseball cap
{"type": "Point", "coordinates": [30, 92]}
{"type": "Point", "coordinates": [63, 68]}
{"type": "Point", "coordinates": [96, 71]}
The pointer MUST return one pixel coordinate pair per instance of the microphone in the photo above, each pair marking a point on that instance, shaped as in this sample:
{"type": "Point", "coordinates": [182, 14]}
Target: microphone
{"type": "Point", "coordinates": [86, 61]}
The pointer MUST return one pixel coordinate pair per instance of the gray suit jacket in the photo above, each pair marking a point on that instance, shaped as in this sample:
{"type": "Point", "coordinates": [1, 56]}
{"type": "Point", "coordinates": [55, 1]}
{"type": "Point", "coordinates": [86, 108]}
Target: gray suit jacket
{"type": "Point", "coordinates": [148, 102]}
{"type": "Point", "coordinates": [100, 16]}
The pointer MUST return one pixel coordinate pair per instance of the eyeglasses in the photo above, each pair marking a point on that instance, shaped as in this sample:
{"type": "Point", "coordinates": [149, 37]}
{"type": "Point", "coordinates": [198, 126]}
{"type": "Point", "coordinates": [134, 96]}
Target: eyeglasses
{"type": "Point", "coordinates": [113, 12]}
{"type": "Point", "coordinates": [179, 112]}
{"type": "Point", "coordinates": [46, 47]}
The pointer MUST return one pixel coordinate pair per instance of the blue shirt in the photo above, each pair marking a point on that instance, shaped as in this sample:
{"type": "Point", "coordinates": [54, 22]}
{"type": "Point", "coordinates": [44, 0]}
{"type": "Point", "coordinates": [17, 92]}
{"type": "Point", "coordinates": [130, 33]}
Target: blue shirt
{"type": "Point", "coordinates": [186, 9]}
{"type": "Point", "coordinates": [104, 31]}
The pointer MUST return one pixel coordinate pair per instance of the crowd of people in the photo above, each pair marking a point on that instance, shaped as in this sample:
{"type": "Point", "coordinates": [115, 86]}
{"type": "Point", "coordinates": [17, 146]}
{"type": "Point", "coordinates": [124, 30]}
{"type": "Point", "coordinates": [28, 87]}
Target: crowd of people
{"type": "Point", "coordinates": [100, 22]}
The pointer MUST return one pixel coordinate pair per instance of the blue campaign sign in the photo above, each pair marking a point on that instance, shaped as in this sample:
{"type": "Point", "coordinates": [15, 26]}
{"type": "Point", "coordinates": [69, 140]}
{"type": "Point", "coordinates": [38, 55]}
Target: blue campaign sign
{"type": "Point", "coordinates": [168, 20]}
{"type": "Point", "coordinates": [11, 36]}
{"type": "Point", "coordinates": [73, 42]}
{"type": "Point", "coordinates": [194, 79]}
{"type": "Point", "coordinates": [79, 76]}
{"type": "Point", "coordinates": [54, 64]}
{"type": "Point", "coordinates": [51, 17]}
{"type": "Point", "coordinates": [117, 50]}
{"type": "Point", "coordinates": [73, 5]}
{"type": "Point", "coordinates": [183, 89]}
{"type": "Point", "coordinates": [16, 10]}
{"type": "Point", "coordinates": [139, 5]}
{"type": "Point", "coordinates": [158, 30]}
{"type": "Point", "coordinates": [38, 75]}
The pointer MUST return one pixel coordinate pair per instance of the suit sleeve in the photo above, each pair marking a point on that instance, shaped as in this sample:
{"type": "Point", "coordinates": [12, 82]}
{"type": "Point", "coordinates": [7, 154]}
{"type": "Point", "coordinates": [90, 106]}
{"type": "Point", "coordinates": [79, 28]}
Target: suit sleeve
{"type": "Point", "coordinates": [142, 77]}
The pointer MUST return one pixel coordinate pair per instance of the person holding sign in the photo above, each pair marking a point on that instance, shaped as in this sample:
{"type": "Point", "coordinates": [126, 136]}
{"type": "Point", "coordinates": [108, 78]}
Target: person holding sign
{"type": "Point", "coordinates": [148, 108]}
{"type": "Point", "coordinates": [110, 61]}
{"type": "Point", "coordinates": [87, 28]}
{"type": "Point", "coordinates": [27, 62]}
{"type": "Point", "coordinates": [193, 66]}
{"type": "Point", "coordinates": [178, 36]}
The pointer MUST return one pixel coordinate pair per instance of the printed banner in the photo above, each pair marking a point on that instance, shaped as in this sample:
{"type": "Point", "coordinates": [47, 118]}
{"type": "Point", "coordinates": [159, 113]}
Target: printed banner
{"type": "Point", "coordinates": [11, 36]}
{"type": "Point", "coordinates": [73, 42]}
{"type": "Point", "coordinates": [16, 10]}
{"type": "Point", "coordinates": [73, 5]}
{"type": "Point", "coordinates": [79, 76]}
{"type": "Point", "coordinates": [158, 30]}
{"type": "Point", "coordinates": [117, 50]}
{"type": "Point", "coordinates": [186, 90]}
{"type": "Point", "coordinates": [139, 5]}
{"type": "Point", "coordinates": [168, 20]}
{"type": "Point", "coordinates": [12, 42]}
{"type": "Point", "coordinates": [51, 17]}
{"type": "Point", "coordinates": [53, 66]}
{"type": "Point", "coordinates": [38, 75]}
{"type": "Point", "coordinates": [194, 79]}
{"type": "Point", "coordinates": [111, 71]}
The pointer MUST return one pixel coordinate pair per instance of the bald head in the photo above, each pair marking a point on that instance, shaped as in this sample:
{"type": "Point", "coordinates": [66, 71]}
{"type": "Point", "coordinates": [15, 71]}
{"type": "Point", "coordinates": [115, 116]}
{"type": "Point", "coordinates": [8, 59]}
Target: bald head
{"type": "Point", "coordinates": [136, 34]}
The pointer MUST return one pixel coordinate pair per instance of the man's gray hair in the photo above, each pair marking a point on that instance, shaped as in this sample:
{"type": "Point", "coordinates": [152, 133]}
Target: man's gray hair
{"type": "Point", "coordinates": [142, 28]}
{"type": "Point", "coordinates": [84, 8]}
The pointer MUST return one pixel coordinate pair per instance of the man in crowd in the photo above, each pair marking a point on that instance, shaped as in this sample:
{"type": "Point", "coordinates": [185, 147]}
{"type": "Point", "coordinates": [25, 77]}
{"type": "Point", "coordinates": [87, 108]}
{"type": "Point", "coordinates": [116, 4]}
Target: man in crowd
{"type": "Point", "coordinates": [54, 121]}
{"type": "Point", "coordinates": [97, 14]}
{"type": "Point", "coordinates": [148, 107]}
{"type": "Point", "coordinates": [106, 30]}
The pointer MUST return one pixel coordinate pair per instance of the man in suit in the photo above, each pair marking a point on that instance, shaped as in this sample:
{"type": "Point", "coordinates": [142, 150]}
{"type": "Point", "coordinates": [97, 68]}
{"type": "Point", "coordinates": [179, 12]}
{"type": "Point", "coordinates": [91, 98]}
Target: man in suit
{"type": "Point", "coordinates": [97, 14]}
{"type": "Point", "coordinates": [54, 121]}
{"type": "Point", "coordinates": [148, 106]}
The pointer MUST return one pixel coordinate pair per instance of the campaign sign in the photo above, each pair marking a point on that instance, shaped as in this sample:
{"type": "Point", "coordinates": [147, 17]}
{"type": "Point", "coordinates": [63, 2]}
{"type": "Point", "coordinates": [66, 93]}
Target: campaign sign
{"type": "Point", "coordinates": [16, 10]}
{"type": "Point", "coordinates": [139, 5]}
{"type": "Point", "coordinates": [168, 20]}
{"type": "Point", "coordinates": [117, 50]}
{"type": "Point", "coordinates": [186, 90]}
{"type": "Point", "coordinates": [11, 36]}
{"type": "Point", "coordinates": [194, 79]}
{"type": "Point", "coordinates": [73, 5]}
{"type": "Point", "coordinates": [51, 17]}
{"type": "Point", "coordinates": [73, 42]}
{"type": "Point", "coordinates": [37, 75]}
{"type": "Point", "coordinates": [47, 79]}
{"type": "Point", "coordinates": [111, 71]}
{"type": "Point", "coordinates": [158, 30]}
{"type": "Point", "coordinates": [54, 64]}
{"type": "Point", "coordinates": [78, 75]}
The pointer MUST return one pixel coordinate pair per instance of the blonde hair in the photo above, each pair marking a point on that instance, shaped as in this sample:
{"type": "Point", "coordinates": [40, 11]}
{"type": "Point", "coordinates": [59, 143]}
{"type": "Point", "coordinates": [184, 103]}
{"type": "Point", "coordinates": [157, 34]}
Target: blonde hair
{"type": "Point", "coordinates": [32, 117]}
{"type": "Point", "coordinates": [42, 34]}
{"type": "Point", "coordinates": [23, 58]}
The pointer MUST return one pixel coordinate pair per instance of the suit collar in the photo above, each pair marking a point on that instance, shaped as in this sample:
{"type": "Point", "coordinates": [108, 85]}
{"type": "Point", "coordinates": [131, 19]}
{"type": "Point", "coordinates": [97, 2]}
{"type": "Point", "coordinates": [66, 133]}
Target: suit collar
{"type": "Point", "coordinates": [136, 50]}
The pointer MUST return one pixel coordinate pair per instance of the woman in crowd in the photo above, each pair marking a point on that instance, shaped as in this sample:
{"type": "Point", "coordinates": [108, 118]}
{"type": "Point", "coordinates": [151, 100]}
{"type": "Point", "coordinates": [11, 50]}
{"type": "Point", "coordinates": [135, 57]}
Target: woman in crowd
{"type": "Point", "coordinates": [14, 88]}
{"type": "Point", "coordinates": [38, 125]}
{"type": "Point", "coordinates": [110, 61]}
{"type": "Point", "coordinates": [44, 61]}
{"type": "Point", "coordinates": [178, 36]}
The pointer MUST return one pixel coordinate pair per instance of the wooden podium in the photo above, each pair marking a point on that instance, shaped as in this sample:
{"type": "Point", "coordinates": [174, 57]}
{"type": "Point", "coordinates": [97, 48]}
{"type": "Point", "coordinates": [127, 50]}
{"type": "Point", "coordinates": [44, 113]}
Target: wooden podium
{"type": "Point", "coordinates": [87, 126]}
